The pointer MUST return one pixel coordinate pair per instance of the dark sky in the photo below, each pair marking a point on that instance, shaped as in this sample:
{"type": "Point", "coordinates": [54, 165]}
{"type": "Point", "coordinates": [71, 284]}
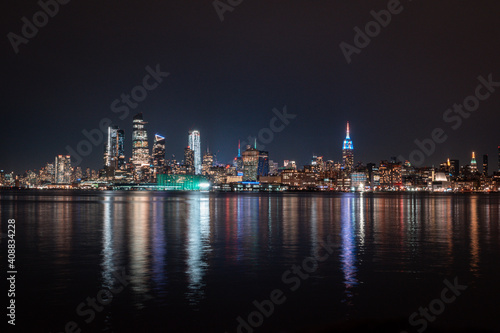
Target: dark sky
{"type": "Point", "coordinates": [226, 77]}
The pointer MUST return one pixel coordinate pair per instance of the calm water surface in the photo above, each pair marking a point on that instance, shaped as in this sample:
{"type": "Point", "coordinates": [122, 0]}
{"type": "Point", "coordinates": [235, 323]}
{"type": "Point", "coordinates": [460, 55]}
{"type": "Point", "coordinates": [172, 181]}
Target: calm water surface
{"type": "Point", "coordinates": [197, 261]}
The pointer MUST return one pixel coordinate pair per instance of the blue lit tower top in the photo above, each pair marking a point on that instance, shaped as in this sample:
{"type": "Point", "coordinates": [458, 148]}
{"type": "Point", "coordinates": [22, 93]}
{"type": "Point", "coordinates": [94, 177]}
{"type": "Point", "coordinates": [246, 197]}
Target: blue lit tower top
{"type": "Point", "coordinates": [348, 152]}
{"type": "Point", "coordinates": [348, 141]}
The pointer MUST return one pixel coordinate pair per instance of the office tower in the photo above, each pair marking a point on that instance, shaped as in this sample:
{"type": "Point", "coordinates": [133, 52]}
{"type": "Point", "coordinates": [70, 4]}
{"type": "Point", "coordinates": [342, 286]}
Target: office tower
{"type": "Point", "coordinates": [159, 154]}
{"type": "Point", "coordinates": [473, 163]}
{"type": "Point", "coordinates": [189, 160]}
{"type": "Point", "coordinates": [250, 164]}
{"type": "Point", "coordinates": [194, 144]}
{"type": "Point", "coordinates": [485, 165]}
{"type": "Point", "coordinates": [263, 164]}
{"type": "Point", "coordinates": [238, 161]}
{"type": "Point", "coordinates": [208, 162]}
{"type": "Point", "coordinates": [348, 152]}
{"type": "Point", "coordinates": [318, 164]}
{"type": "Point", "coordinates": [273, 167]}
{"type": "Point", "coordinates": [62, 168]}
{"type": "Point", "coordinates": [114, 152]}
{"type": "Point", "coordinates": [140, 148]}
{"type": "Point", "coordinates": [455, 168]}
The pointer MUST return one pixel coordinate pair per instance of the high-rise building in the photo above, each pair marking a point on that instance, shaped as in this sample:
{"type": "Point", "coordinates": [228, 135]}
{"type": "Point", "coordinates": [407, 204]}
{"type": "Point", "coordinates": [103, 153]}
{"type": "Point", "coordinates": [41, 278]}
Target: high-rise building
{"type": "Point", "coordinates": [263, 166]}
{"type": "Point", "coordinates": [208, 162]}
{"type": "Point", "coordinates": [238, 161]}
{"type": "Point", "coordinates": [485, 165]}
{"type": "Point", "coordinates": [159, 154]}
{"type": "Point", "coordinates": [348, 152]}
{"type": "Point", "coordinates": [115, 152]}
{"type": "Point", "coordinates": [317, 164]}
{"type": "Point", "coordinates": [189, 160]}
{"type": "Point", "coordinates": [62, 168]}
{"type": "Point", "coordinates": [140, 147]}
{"type": "Point", "coordinates": [473, 163]}
{"type": "Point", "coordinates": [194, 143]}
{"type": "Point", "coordinates": [455, 168]}
{"type": "Point", "coordinates": [498, 158]}
{"type": "Point", "coordinates": [250, 163]}
{"type": "Point", "coordinates": [273, 168]}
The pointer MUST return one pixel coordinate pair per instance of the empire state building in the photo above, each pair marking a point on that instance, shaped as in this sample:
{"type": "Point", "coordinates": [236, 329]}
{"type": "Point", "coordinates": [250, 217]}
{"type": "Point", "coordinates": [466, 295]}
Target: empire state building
{"type": "Point", "coordinates": [348, 152]}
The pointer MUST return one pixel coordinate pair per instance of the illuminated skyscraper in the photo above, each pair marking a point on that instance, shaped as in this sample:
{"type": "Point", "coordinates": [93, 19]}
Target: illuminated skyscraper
{"type": "Point", "coordinates": [485, 165]}
{"type": "Point", "coordinates": [250, 164]}
{"type": "Point", "coordinates": [208, 162]}
{"type": "Point", "coordinates": [159, 154]}
{"type": "Point", "coordinates": [473, 163]}
{"type": "Point", "coordinates": [114, 152]}
{"type": "Point", "coordinates": [263, 167]}
{"type": "Point", "coordinates": [194, 144]}
{"type": "Point", "coordinates": [238, 160]}
{"type": "Point", "coordinates": [140, 147]}
{"type": "Point", "coordinates": [348, 152]}
{"type": "Point", "coordinates": [62, 168]}
{"type": "Point", "coordinates": [189, 160]}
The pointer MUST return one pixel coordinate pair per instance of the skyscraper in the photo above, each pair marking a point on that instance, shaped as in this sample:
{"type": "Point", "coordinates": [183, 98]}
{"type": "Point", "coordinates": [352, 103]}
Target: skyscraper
{"type": "Point", "coordinates": [250, 164]}
{"type": "Point", "coordinates": [189, 160]}
{"type": "Point", "coordinates": [140, 147]}
{"type": "Point", "coordinates": [263, 166]}
{"type": "Point", "coordinates": [62, 168]}
{"type": "Point", "coordinates": [238, 160]}
{"type": "Point", "coordinates": [114, 152]}
{"type": "Point", "coordinates": [485, 165]}
{"type": "Point", "coordinates": [473, 163]}
{"type": "Point", "coordinates": [455, 167]}
{"type": "Point", "coordinates": [194, 144]}
{"type": "Point", "coordinates": [159, 154]}
{"type": "Point", "coordinates": [208, 162]}
{"type": "Point", "coordinates": [348, 152]}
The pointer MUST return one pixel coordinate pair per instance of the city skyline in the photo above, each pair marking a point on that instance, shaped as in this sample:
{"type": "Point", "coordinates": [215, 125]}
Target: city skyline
{"type": "Point", "coordinates": [115, 138]}
{"type": "Point", "coordinates": [227, 87]}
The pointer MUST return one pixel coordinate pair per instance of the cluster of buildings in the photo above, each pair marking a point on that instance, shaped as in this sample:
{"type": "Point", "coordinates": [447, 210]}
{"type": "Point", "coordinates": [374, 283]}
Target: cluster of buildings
{"type": "Point", "coordinates": [251, 170]}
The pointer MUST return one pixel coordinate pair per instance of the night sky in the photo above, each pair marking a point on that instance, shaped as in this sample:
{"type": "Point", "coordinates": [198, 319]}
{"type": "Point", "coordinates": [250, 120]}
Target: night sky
{"type": "Point", "coordinates": [226, 77]}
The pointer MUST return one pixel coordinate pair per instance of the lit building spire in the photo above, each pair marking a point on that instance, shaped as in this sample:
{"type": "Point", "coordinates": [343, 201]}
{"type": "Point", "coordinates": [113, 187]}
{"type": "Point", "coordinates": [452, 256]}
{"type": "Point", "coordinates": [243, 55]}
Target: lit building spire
{"type": "Point", "coordinates": [348, 152]}
{"type": "Point", "coordinates": [473, 163]}
{"type": "Point", "coordinates": [255, 144]}
{"type": "Point", "coordinates": [239, 149]}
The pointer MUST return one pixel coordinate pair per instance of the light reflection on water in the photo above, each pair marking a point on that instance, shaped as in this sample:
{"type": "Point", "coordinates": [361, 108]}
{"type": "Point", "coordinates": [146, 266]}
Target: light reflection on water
{"type": "Point", "coordinates": [184, 251]}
